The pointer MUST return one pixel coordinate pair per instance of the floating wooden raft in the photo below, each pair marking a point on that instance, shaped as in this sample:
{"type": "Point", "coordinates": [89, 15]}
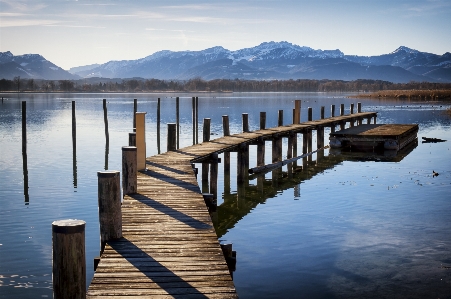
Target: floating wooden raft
{"type": "Point", "coordinates": [373, 136]}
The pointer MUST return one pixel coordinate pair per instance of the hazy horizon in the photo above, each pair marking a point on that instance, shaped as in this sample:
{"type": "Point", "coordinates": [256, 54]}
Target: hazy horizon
{"type": "Point", "coordinates": [78, 33]}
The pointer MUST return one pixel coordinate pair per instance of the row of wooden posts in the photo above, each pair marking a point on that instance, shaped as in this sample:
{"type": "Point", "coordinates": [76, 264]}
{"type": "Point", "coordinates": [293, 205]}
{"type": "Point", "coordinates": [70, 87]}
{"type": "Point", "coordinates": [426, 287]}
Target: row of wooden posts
{"type": "Point", "coordinates": [69, 262]}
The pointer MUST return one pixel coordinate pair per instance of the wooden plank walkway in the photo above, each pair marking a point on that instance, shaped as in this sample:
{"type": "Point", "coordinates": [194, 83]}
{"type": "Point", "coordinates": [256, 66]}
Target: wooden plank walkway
{"type": "Point", "coordinates": [169, 247]}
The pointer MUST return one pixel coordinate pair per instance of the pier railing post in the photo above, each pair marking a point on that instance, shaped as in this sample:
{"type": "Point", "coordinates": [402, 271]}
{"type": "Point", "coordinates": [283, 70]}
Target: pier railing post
{"type": "Point", "coordinates": [172, 137]}
{"type": "Point", "coordinates": [69, 259]}
{"type": "Point", "coordinates": [245, 117]}
{"type": "Point", "coordinates": [129, 170]}
{"type": "Point", "coordinates": [141, 139]}
{"type": "Point", "coordinates": [109, 198]}
{"type": "Point", "coordinates": [297, 112]}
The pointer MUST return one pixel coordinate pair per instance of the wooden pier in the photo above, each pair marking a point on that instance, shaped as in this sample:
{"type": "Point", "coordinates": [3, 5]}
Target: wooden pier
{"type": "Point", "coordinates": [169, 247]}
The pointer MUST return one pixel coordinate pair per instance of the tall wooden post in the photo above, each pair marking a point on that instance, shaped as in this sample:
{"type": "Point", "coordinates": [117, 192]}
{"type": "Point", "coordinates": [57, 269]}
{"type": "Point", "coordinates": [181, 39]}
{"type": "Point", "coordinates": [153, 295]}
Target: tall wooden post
{"type": "Point", "coordinates": [197, 120]}
{"type": "Point", "coordinates": [132, 139]}
{"type": "Point", "coordinates": [141, 139]}
{"type": "Point", "coordinates": [261, 141]}
{"type": "Point", "coordinates": [245, 117]}
{"type": "Point", "coordinates": [226, 132]}
{"type": "Point", "coordinates": [74, 145]}
{"type": "Point", "coordinates": [24, 152]}
{"type": "Point", "coordinates": [206, 138]}
{"type": "Point", "coordinates": [309, 133]}
{"type": "Point", "coordinates": [297, 109]}
{"type": "Point", "coordinates": [69, 259]}
{"type": "Point", "coordinates": [172, 137]}
{"type": "Point", "coordinates": [109, 198]}
{"type": "Point", "coordinates": [280, 118]}
{"type": "Point", "coordinates": [193, 104]}
{"type": "Point", "coordinates": [107, 134]}
{"type": "Point", "coordinates": [129, 170]}
{"type": "Point", "coordinates": [158, 125]}
{"type": "Point", "coordinates": [135, 109]}
{"type": "Point", "coordinates": [177, 121]}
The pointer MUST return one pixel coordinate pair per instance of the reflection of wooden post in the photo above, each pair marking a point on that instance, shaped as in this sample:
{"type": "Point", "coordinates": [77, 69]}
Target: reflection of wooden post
{"type": "Point", "coordinates": [129, 170]}
{"type": "Point", "coordinates": [158, 125]}
{"type": "Point", "coordinates": [226, 131]}
{"type": "Point", "coordinates": [214, 175]}
{"type": "Point", "coordinates": [297, 109]}
{"type": "Point", "coordinates": [280, 118]}
{"type": "Point", "coordinates": [245, 117]}
{"type": "Point", "coordinates": [304, 147]}
{"type": "Point", "coordinates": [172, 137]}
{"type": "Point", "coordinates": [241, 163]}
{"type": "Point", "coordinates": [109, 198]}
{"type": "Point", "coordinates": [320, 137]}
{"type": "Point", "coordinates": [177, 120]}
{"type": "Point", "coordinates": [276, 148]}
{"type": "Point", "coordinates": [141, 139]}
{"type": "Point", "coordinates": [69, 259]}
{"type": "Point", "coordinates": [206, 138]}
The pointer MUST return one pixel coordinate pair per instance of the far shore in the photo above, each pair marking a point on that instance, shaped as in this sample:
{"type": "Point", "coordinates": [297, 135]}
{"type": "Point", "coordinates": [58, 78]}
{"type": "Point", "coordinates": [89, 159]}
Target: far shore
{"type": "Point", "coordinates": [434, 95]}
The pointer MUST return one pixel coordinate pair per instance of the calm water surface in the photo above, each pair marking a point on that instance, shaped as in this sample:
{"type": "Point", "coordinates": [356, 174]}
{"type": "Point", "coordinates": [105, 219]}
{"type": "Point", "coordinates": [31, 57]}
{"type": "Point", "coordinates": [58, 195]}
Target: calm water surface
{"type": "Point", "coordinates": [345, 227]}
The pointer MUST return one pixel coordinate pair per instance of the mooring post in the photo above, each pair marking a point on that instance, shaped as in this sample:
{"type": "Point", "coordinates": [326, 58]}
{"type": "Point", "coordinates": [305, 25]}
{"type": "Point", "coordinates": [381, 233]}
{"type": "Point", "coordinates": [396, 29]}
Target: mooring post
{"type": "Point", "coordinates": [245, 117]}
{"type": "Point", "coordinates": [158, 125]}
{"type": "Point", "coordinates": [342, 112]}
{"type": "Point", "coordinates": [297, 114]}
{"type": "Point", "coordinates": [280, 118]}
{"type": "Point", "coordinates": [197, 120]}
{"type": "Point", "coordinates": [132, 139]}
{"type": "Point", "coordinates": [177, 120]}
{"type": "Point", "coordinates": [322, 112]}
{"type": "Point", "coordinates": [109, 199]}
{"type": "Point", "coordinates": [69, 259]}
{"type": "Point", "coordinates": [332, 110]}
{"type": "Point", "coordinates": [135, 109]}
{"type": "Point", "coordinates": [193, 104]}
{"type": "Point", "coordinates": [310, 113]}
{"type": "Point", "coordinates": [107, 134]}
{"type": "Point", "coordinates": [320, 137]}
{"type": "Point", "coordinates": [129, 170]}
{"type": "Point", "coordinates": [206, 138]}
{"type": "Point", "coordinates": [141, 139]}
{"type": "Point", "coordinates": [74, 145]}
{"type": "Point", "coordinates": [359, 107]}
{"type": "Point", "coordinates": [24, 153]}
{"type": "Point", "coordinates": [172, 137]}
{"type": "Point", "coordinates": [226, 132]}
{"type": "Point", "coordinates": [24, 127]}
{"type": "Point", "coordinates": [351, 109]}
{"type": "Point", "coordinates": [214, 175]}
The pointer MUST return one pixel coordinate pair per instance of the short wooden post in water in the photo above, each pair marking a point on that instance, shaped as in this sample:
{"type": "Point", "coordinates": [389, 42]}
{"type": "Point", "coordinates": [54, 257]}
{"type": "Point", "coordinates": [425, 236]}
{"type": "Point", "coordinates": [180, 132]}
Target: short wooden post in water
{"type": "Point", "coordinates": [245, 117]}
{"type": "Point", "coordinates": [206, 138]}
{"type": "Point", "coordinates": [304, 147]}
{"type": "Point", "coordinates": [158, 125]}
{"type": "Point", "coordinates": [309, 133]}
{"type": "Point", "coordinates": [320, 137]}
{"type": "Point", "coordinates": [226, 132]}
{"type": "Point", "coordinates": [177, 120]}
{"type": "Point", "coordinates": [129, 170]}
{"type": "Point", "coordinates": [141, 139]}
{"type": "Point", "coordinates": [297, 114]}
{"type": "Point", "coordinates": [197, 120]}
{"type": "Point", "coordinates": [172, 137]}
{"type": "Point", "coordinates": [310, 113]}
{"type": "Point", "coordinates": [109, 199]}
{"type": "Point", "coordinates": [24, 152]}
{"type": "Point", "coordinates": [69, 259]}
{"type": "Point", "coordinates": [352, 108]}
{"type": "Point", "coordinates": [359, 107]}
{"type": "Point", "coordinates": [135, 109]}
{"type": "Point", "coordinates": [322, 112]}
{"type": "Point", "coordinates": [132, 139]}
{"type": "Point", "coordinates": [280, 118]}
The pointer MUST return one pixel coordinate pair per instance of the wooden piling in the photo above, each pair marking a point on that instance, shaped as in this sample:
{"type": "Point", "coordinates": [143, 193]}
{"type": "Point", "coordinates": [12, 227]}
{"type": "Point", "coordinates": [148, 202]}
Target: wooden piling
{"type": "Point", "coordinates": [24, 152]}
{"type": "Point", "coordinates": [276, 148]}
{"type": "Point", "coordinates": [109, 200]}
{"type": "Point", "coordinates": [359, 107]}
{"type": "Point", "coordinates": [320, 137]}
{"type": "Point", "coordinates": [226, 132]}
{"type": "Point", "coordinates": [332, 110]}
{"type": "Point", "coordinates": [310, 113]}
{"type": "Point", "coordinates": [261, 142]}
{"type": "Point", "coordinates": [69, 259]}
{"type": "Point", "coordinates": [129, 170]}
{"type": "Point", "coordinates": [141, 139]}
{"type": "Point", "coordinates": [297, 114]}
{"type": "Point", "coordinates": [342, 112]}
{"type": "Point", "coordinates": [74, 145]}
{"type": "Point", "coordinates": [158, 125]}
{"type": "Point", "coordinates": [107, 134]}
{"type": "Point", "coordinates": [172, 137]}
{"type": "Point", "coordinates": [197, 120]}
{"type": "Point", "coordinates": [352, 108]}
{"type": "Point", "coordinates": [242, 156]}
{"type": "Point", "coordinates": [193, 113]}
{"type": "Point", "coordinates": [280, 118]}
{"type": "Point", "coordinates": [132, 139]}
{"type": "Point", "coordinates": [206, 138]}
{"type": "Point", "coordinates": [135, 109]}
{"type": "Point", "coordinates": [177, 120]}
{"type": "Point", "coordinates": [245, 117]}
{"type": "Point", "coordinates": [322, 112]}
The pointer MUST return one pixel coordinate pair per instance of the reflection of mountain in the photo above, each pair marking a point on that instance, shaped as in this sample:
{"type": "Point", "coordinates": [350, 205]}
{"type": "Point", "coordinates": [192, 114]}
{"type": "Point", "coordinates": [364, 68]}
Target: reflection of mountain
{"type": "Point", "coordinates": [238, 205]}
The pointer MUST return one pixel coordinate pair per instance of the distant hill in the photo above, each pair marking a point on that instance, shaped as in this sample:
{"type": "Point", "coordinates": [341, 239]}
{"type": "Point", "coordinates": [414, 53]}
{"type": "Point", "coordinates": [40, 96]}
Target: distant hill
{"type": "Point", "coordinates": [31, 66]}
{"type": "Point", "coordinates": [275, 60]}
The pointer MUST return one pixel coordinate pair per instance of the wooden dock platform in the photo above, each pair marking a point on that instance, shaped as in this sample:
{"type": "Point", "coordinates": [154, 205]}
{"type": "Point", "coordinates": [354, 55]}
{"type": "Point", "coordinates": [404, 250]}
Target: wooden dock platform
{"type": "Point", "coordinates": [375, 136]}
{"type": "Point", "coordinates": [169, 248]}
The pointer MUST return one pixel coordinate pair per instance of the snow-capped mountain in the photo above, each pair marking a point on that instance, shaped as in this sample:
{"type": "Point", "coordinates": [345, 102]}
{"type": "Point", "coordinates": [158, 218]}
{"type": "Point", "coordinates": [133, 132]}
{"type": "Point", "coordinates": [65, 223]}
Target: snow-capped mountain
{"type": "Point", "coordinates": [32, 66]}
{"type": "Point", "coordinates": [269, 60]}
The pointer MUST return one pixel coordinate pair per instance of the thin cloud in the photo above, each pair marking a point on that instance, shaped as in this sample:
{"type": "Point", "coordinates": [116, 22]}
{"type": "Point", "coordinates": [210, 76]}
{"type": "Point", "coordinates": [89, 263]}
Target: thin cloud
{"type": "Point", "coordinates": [25, 23]}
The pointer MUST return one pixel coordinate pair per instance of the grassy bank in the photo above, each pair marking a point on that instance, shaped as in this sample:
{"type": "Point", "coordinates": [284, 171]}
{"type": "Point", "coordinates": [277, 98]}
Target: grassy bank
{"type": "Point", "coordinates": [444, 94]}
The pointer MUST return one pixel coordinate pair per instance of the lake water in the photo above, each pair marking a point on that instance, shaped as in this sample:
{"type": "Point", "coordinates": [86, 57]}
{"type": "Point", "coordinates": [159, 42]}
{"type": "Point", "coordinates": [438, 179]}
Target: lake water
{"type": "Point", "coordinates": [345, 227]}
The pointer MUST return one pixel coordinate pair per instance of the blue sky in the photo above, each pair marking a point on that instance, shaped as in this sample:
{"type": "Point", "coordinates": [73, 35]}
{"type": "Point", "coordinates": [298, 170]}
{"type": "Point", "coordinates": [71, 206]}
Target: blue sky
{"type": "Point", "coordinates": [74, 33]}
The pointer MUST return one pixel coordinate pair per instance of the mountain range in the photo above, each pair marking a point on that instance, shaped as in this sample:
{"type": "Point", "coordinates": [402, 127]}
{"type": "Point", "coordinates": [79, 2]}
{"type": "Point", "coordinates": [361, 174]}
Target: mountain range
{"type": "Point", "coordinates": [269, 60]}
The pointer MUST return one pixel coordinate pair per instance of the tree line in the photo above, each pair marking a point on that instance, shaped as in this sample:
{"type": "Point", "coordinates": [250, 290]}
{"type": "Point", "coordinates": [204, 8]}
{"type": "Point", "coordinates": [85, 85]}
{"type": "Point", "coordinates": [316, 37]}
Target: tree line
{"type": "Point", "coordinates": [217, 85]}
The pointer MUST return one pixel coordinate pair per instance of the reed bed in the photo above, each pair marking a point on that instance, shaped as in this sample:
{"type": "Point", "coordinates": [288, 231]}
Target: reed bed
{"type": "Point", "coordinates": [443, 94]}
